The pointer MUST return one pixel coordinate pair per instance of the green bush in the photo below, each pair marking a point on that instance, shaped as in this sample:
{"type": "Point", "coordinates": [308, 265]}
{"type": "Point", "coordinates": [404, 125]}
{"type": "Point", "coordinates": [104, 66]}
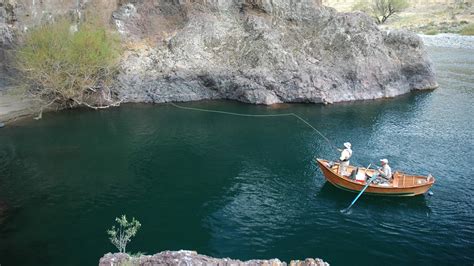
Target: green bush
{"type": "Point", "coordinates": [467, 30]}
{"type": "Point", "coordinates": [120, 236]}
{"type": "Point", "coordinates": [70, 65]}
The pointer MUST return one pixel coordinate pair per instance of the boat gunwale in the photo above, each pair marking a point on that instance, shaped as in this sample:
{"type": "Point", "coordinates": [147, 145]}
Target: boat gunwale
{"type": "Point", "coordinates": [376, 194]}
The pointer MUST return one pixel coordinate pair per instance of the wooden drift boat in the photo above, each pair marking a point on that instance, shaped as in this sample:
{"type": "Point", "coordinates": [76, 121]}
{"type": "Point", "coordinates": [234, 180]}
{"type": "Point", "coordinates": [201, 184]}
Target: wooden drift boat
{"type": "Point", "coordinates": [402, 184]}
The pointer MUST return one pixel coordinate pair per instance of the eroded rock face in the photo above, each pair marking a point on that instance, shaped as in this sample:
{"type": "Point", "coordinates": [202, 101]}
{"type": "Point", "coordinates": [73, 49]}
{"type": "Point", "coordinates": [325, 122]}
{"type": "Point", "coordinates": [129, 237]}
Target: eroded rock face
{"type": "Point", "coordinates": [255, 51]}
{"type": "Point", "coordinates": [264, 52]}
{"type": "Point", "coordinates": [192, 258]}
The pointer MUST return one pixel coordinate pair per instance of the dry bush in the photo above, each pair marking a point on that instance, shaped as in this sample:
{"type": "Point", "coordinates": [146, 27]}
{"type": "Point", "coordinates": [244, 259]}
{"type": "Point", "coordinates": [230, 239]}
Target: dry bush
{"type": "Point", "coordinates": [70, 65]}
{"type": "Point", "coordinates": [467, 30]}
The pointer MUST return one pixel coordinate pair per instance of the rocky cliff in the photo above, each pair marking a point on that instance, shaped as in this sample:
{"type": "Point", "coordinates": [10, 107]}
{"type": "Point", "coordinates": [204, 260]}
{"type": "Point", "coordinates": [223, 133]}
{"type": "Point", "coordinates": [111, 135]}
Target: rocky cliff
{"type": "Point", "coordinates": [255, 51]}
{"type": "Point", "coordinates": [192, 258]}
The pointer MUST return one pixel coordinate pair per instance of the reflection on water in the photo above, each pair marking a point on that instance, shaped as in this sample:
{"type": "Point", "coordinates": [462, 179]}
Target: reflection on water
{"type": "Point", "coordinates": [243, 187]}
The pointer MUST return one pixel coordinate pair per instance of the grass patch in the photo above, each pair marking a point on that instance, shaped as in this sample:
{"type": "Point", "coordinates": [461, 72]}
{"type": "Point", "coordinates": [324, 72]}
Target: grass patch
{"type": "Point", "coordinates": [467, 30]}
{"type": "Point", "coordinates": [431, 32]}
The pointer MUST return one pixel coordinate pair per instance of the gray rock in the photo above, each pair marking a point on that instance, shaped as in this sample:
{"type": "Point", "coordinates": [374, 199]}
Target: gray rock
{"type": "Point", "coordinates": [184, 257]}
{"type": "Point", "coordinates": [264, 52]}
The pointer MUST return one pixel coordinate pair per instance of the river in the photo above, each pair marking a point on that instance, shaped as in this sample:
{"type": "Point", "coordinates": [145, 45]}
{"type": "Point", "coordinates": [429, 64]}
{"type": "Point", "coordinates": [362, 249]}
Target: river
{"type": "Point", "coordinates": [243, 187]}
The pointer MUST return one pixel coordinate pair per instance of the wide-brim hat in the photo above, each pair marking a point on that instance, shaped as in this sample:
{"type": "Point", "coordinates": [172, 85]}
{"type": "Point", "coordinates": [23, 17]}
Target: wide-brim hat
{"type": "Point", "coordinates": [347, 145]}
{"type": "Point", "coordinates": [384, 161]}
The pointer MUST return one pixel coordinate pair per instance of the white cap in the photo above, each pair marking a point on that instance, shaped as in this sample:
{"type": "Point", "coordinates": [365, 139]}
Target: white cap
{"type": "Point", "coordinates": [347, 145]}
{"type": "Point", "coordinates": [384, 161]}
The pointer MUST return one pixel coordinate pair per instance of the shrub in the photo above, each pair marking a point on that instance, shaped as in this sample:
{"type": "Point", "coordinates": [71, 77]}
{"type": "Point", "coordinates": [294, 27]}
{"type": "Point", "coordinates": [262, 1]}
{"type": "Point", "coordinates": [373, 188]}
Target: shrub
{"type": "Point", "coordinates": [70, 65]}
{"type": "Point", "coordinates": [122, 235]}
{"type": "Point", "coordinates": [467, 30]}
{"type": "Point", "coordinates": [381, 10]}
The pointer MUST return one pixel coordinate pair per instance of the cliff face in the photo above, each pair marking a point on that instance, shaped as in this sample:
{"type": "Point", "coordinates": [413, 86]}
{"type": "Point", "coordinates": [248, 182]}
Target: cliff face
{"type": "Point", "coordinates": [256, 51]}
{"type": "Point", "coordinates": [266, 52]}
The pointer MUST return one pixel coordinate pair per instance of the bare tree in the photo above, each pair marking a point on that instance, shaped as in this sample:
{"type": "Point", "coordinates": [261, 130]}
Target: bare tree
{"type": "Point", "coordinates": [381, 10]}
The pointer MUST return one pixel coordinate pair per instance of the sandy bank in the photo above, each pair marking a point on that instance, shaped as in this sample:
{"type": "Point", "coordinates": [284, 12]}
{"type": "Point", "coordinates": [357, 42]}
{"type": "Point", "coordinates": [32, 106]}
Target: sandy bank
{"type": "Point", "coordinates": [14, 107]}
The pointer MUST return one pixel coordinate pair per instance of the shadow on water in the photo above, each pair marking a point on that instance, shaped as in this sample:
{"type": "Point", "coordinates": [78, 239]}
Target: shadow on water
{"type": "Point", "coordinates": [416, 203]}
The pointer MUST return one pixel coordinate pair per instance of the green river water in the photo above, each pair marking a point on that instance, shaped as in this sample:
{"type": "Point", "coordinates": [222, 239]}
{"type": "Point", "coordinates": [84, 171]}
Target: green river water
{"type": "Point", "coordinates": [243, 187]}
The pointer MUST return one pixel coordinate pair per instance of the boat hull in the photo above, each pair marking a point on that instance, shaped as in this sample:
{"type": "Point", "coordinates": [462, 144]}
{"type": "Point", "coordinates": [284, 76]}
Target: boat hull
{"type": "Point", "coordinates": [398, 189]}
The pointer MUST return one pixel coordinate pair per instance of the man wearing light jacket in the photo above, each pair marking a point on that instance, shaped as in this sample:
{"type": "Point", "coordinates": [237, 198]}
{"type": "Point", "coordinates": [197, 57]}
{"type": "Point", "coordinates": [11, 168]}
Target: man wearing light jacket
{"type": "Point", "coordinates": [344, 159]}
{"type": "Point", "coordinates": [385, 171]}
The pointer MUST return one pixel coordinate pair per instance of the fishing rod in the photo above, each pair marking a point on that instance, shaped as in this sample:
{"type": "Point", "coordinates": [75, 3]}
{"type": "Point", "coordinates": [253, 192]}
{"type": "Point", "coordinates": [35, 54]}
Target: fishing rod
{"type": "Point", "coordinates": [257, 115]}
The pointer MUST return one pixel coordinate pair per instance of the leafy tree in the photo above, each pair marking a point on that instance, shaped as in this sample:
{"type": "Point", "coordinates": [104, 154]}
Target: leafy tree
{"type": "Point", "coordinates": [122, 235]}
{"type": "Point", "coordinates": [381, 10]}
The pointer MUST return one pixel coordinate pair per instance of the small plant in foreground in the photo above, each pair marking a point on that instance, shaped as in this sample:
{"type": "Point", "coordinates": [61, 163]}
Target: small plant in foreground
{"type": "Point", "coordinates": [121, 235]}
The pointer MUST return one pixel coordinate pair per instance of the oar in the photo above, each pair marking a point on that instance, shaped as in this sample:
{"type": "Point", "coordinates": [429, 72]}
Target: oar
{"type": "Point", "coordinates": [360, 193]}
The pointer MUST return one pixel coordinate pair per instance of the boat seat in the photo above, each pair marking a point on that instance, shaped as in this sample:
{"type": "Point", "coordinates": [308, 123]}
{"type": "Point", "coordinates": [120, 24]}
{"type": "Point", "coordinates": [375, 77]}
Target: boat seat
{"type": "Point", "coordinates": [398, 179]}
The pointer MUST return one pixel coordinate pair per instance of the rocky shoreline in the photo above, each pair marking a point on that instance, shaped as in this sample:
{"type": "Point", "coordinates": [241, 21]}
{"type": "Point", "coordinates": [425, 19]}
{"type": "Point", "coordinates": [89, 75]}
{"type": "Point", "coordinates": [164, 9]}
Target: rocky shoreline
{"type": "Point", "coordinates": [184, 257]}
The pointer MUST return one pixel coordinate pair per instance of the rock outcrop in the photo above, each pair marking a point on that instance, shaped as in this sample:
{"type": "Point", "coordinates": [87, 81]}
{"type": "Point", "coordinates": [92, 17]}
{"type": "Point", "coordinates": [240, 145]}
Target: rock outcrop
{"type": "Point", "coordinates": [264, 52]}
{"type": "Point", "coordinates": [192, 258]}
{"type": "Point", "coordinates": [255, 51]}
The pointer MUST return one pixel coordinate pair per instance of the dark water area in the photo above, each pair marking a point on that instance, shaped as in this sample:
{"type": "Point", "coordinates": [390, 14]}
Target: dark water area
{"type": "Point", "coordinates": [243, 187]}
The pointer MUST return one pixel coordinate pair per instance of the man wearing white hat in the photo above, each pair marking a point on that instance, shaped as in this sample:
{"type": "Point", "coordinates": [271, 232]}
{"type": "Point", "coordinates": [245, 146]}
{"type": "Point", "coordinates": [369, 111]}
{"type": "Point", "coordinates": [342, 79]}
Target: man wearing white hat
{"type": "Point", "coordinates": [385, 171]}
{"type": "Point", "coordinates": [345, 156]}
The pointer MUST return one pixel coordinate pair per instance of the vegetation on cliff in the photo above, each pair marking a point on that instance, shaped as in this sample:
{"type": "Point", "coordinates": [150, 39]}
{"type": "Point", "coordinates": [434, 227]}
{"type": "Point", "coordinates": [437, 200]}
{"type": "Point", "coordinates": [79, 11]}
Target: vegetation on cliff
{"type": "Point", "coordinates": [69, 65]}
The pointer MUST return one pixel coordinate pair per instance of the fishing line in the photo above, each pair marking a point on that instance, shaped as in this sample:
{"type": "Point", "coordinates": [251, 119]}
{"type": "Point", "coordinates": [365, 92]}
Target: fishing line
{"type": "Point", "coordinates": [255, 115]}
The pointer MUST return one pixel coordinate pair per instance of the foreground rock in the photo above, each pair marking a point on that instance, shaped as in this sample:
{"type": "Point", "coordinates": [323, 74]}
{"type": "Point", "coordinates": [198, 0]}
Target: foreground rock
{"type": "Point", "coordinates": [264, 52]}
{"type": "Point", "coordinates": [192, 258]}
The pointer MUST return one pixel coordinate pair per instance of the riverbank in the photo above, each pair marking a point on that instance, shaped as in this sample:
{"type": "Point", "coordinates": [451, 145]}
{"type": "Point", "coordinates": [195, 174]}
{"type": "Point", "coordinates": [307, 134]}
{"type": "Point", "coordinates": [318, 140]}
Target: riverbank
{"type": "Point", "coordinates": [184, 257]}
{"type": "Point", "coordinates": [15, 107]}
{"type": "Point", "coordinates": [424, 17]}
